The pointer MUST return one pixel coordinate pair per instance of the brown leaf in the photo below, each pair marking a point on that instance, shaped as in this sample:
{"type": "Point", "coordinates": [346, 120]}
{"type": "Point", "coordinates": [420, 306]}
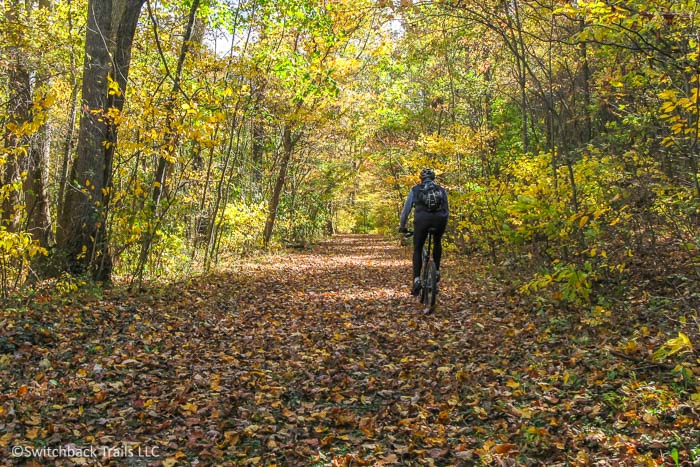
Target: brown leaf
{"type": "Point", "coordinates": [367, 426]}
{"type": "Point", "coordinates": [388, 460]}
{"type": "Point", "coordinates": [437, 453]}
{"type": "Point", "coordinates": [650, 419]}
{"type": "Point", "coordinates": [313, 442]}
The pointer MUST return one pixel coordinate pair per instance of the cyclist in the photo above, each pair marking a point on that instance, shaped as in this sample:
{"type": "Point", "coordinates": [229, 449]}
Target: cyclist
{"type": "Point", "coordinates": [428, 214]}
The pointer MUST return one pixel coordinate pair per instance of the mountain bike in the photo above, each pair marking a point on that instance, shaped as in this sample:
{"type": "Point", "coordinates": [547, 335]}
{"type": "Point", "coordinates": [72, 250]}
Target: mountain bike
{"type": "Point", "coordinates": [428, 274]}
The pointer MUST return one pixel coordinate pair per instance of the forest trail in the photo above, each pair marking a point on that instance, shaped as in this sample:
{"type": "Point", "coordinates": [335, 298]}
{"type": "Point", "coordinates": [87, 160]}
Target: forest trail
{"type": "Point", "coordinates": [318, 358]}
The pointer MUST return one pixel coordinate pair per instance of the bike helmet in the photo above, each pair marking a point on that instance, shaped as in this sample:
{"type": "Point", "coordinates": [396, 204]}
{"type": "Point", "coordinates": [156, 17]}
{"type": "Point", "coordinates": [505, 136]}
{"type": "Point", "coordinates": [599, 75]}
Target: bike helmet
{"type": "Point", "coordinates": [427, 174]}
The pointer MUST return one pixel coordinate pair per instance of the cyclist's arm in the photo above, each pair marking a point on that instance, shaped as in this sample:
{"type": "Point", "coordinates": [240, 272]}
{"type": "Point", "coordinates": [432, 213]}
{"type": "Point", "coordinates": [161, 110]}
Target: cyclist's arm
{"type": "Point", "coordinates": [406, 209]}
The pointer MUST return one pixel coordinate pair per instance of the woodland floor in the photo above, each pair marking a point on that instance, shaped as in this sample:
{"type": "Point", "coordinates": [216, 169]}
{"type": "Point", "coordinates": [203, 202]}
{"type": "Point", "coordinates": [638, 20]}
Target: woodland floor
{"type": "Point", "coordinates": [322, 358]}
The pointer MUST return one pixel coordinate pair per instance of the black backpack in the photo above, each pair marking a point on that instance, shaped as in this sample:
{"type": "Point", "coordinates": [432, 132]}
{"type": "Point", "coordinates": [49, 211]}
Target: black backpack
{"type": "Point", "coordinates": [430, 196]}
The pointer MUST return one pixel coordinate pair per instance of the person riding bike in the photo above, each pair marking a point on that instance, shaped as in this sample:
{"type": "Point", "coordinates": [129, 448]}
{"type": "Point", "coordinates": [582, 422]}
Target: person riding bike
{"type": "Point", "coordinates": [432, 211]}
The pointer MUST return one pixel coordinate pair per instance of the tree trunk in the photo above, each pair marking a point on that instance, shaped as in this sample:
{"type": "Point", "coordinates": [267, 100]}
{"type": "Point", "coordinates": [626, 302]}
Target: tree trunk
{"type": "Point", "coordinates": [82, 214]}
{"type": "Point", "coordinates": [18, 110]}
{"type": "Point", "coordinates": [67, 150]}
{"type": "Point", "coordinates": [36, 188]}
{"type": "Point", "coordinates": [124, 21]}
{"type": "Point", "coordinates": [82, 226]}
{"type": "Point", "coordinates": [39, 154]}
{"type": "Point", "coordinates": [27, 165]}
{"type": "Point", "coordinates": [288, 147]}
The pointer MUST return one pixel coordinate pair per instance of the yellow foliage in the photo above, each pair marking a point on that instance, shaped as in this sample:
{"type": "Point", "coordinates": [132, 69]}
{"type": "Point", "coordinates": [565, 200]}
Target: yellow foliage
{"type": "Point", "coordinates": [680, 344]}
{"type": "Point", "coordinates": [113, 87]}
{"type": "Point", "coordinates": [243, 222]}
{"type": "Point", "coordinates": [15, 248]}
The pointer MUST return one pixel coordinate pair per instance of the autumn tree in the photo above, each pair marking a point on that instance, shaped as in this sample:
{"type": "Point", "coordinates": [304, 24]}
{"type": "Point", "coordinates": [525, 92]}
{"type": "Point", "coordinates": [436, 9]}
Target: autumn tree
{"type": "Point", "coordinates": [26, 138]}
{"type": "Point", "coordinates": [82, 227]}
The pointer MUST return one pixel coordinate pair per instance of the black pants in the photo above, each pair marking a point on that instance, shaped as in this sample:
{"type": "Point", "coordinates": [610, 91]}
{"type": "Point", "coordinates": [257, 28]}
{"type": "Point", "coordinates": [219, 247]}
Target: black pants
{"type": "Point", "coordinates": [421, 224]}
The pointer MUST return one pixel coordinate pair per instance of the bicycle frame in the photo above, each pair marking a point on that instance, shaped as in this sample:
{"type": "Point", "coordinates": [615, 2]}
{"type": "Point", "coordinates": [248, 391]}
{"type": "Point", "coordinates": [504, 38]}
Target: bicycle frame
{"type": "Point", "coordinates": [429, 290]}
{"type": "Point", "coordinates": [427, 247]}
{"type": "Point", "coordinates": [428, 275]}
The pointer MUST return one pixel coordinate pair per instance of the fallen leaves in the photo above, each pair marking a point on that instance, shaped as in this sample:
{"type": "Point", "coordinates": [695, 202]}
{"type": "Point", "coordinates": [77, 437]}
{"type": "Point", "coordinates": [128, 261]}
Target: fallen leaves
{"type": "Point", "coordinates": [322, 358]}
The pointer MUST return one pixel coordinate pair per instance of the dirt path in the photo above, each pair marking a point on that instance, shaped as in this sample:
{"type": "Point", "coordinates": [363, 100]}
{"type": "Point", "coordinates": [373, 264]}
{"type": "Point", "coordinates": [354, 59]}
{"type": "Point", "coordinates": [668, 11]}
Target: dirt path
{"type": "Point", "coordinates": [315, 358]}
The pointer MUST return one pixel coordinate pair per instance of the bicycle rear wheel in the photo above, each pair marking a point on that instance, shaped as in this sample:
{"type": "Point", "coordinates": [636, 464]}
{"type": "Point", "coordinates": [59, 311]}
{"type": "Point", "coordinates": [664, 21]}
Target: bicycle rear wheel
{"type": "Point", "coordinates": [432, 273]}
{"type": "Point", "coordinates": [429, 290]}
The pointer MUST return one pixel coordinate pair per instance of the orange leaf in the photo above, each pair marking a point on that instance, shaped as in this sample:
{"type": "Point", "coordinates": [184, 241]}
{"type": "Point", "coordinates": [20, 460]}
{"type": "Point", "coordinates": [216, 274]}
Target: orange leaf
{"type": "Point", "coordinates": [189, 408]}
{"type": "Point", "coordinates": [504, 448]}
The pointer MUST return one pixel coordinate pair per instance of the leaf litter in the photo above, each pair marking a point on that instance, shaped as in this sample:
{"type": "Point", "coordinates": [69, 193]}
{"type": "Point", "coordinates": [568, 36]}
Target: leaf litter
{"type": "Point", "coordinates": [322, 358]}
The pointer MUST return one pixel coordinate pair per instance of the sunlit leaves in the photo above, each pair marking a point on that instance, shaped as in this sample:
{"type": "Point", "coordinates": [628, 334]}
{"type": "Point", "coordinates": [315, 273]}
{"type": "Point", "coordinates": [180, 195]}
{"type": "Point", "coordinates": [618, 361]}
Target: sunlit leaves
{"type": "Point", "coordinates": [672, 346]}
{"type": "Point", "coordinates": [682, 115]}
{"type": "Point", "coordinates": [15, 247]}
